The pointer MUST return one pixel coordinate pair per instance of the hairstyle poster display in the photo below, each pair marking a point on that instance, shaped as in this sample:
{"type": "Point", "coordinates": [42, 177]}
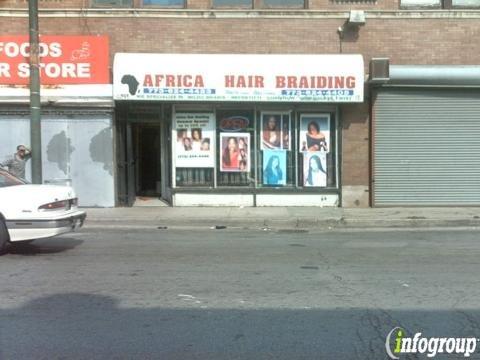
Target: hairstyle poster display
{"type": "Point", "coordinates": [275, 131]}
{"type": "Point", "coordinates": [195, 140]}
{"type": "Point", "coordinates": [235, 152]}
{"type": "Point", "coordinates": [315, 169]}
{"type": "Point", "coordinates": [275, 167]}
{"type": "Point", "coordinates": [314, 132]}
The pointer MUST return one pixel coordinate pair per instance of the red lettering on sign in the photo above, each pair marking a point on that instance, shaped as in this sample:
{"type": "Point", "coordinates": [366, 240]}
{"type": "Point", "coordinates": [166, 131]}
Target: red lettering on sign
{"type": "Point", "coordinates": [292, 81]}
{"type": "Point", "coordinates": [321, 82]}
{"type": "Point", "coordinates": [241, 82]}
{"type": "Point", "coordinates": [229, 81]}
{"type": "Point", "coordinates": [303, 82]}
{"type": "Point", "coordinates": [315, 82]}
{"type": "Point", "coordinates": [63, 60]}
{"type": "Point", "coordinates": [280, 81]}
{"type": "Point", "coordinates": [158, 80]}
{"type": "Point", "coordinates": [339, 82]}
{"type": "Point", "coordinates": [350, 82]}
{"type": "Point", "coordinates": [147, 81]}
{"type": "Point", "coordinates": [259, 82]}
{"type": "Point", "coordinates": [244, 81]}
{"type": "Point", "coordinates": [199, 81]}
{"type": "Point", "coordinates": [187, 81]}
{"type": "Point", "coordinates": [171, 81]}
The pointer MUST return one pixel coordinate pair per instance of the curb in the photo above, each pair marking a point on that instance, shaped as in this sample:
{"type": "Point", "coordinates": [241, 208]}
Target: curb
{"type": "Point", "coordinates": [290, 223]}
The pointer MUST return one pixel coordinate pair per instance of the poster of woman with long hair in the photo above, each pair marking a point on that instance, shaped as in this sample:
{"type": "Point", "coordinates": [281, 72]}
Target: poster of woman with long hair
{"type": "Point", "coordinates": [235, 152]}
{"type": "Point", "coordinates": [274, 167]}
{"type": "Point", "coordinates": [275, 131]}
{"type": "Point", "coordinates": [315, 132]}
{"type": "Point", "coordinates": [315, 169]}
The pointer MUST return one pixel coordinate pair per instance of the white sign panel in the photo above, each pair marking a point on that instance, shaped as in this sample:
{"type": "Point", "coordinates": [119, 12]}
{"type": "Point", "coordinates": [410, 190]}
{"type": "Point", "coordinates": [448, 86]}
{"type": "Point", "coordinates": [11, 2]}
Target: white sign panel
{"type": "Point", "coordinates": [195, 134]}
{"type": "Point", "coordinates": [238, 77]}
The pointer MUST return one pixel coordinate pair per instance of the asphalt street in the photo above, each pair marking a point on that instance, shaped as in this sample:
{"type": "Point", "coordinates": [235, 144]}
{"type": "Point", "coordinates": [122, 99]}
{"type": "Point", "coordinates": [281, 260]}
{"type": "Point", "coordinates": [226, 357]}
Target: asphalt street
{"type": "Point", "coordinates": [236, 294]}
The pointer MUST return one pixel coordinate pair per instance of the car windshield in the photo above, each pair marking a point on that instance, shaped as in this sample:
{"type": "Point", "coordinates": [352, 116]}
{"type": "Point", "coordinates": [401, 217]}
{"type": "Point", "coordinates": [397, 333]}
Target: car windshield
{"type": "Point", "coordinates": [7, 179]}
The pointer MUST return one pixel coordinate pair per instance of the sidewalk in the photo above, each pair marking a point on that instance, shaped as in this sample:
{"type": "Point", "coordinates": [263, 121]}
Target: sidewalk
{"type": "Point", "coordinates": [282, 217]}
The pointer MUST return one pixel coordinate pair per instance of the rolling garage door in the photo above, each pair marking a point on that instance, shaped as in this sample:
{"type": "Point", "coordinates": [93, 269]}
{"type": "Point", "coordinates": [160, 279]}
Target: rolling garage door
{"type": "Point", "coordinates": [426, 147]}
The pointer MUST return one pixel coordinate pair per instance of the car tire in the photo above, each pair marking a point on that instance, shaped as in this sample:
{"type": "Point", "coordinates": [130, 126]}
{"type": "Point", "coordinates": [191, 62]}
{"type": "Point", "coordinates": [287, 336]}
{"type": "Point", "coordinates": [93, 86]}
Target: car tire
{"type": "Point", "coordinates": [24, 242]}
{"type": "Point", "coordinates": [3, 236]}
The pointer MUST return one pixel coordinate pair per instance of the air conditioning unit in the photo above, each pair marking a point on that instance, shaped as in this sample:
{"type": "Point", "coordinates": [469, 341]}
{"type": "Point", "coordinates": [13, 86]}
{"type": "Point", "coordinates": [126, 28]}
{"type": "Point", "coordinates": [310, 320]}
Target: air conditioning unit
{"type": "Point", "coordinates": [356, 18]}
{"type": "Point", "coordinates": [379, 70]}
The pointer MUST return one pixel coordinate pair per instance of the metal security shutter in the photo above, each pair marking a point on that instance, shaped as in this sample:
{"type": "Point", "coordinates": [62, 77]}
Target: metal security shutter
{"type": "Point", "coordinates": [427, 147]}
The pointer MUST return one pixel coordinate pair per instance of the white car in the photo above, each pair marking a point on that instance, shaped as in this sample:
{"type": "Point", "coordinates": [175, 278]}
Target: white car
{"type": "Point", "coordinates": [29, 212]}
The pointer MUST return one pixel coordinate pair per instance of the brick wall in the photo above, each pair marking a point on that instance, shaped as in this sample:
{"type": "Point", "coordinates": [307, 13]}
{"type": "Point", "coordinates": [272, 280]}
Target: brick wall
{"type": "Point", "coordinates": [207, 4]}
{"type": "Point", "coordinates": [407, 41]}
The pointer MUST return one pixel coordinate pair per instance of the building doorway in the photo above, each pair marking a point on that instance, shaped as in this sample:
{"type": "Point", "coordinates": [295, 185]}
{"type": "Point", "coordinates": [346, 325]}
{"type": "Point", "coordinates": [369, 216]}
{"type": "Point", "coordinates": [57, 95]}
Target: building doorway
{"type": "Point", "coordinates": [147, 159]}
{"type": "Point", "coordinates": [143, 155]}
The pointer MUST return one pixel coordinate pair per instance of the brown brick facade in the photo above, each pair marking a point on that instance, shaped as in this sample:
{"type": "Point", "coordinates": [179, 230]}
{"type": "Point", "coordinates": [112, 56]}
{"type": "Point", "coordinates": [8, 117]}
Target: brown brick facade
{"type": "Point", "coordinates": [404, 41]}
{"type": "Point", "coordinates": [208, 4]}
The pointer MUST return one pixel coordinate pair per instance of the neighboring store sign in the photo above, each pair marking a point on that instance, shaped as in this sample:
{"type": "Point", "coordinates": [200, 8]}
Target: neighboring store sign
{"type": "Point", "coordinates": [195, 145]}
{"type": "Point", "coordinates": [239, 77]}
{"type": "Point", "coordinates": [63, 60]}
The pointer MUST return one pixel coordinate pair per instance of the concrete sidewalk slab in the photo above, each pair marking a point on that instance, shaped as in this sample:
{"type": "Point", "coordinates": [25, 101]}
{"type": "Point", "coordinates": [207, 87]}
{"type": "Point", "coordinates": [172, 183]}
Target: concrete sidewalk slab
{"type": "Point", "coordinates": [286, 217]}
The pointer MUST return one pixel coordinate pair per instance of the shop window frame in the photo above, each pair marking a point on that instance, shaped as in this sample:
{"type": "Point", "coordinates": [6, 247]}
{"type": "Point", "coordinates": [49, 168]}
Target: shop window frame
{"type": "Point", "coordinates": [233, 5]}
{"type": "Point", "coordinates": [112, 4]}
{"type": "Point", "coordinates": [296, 111]}
{"type": "Point", "coordinates": [252, 174]}
{"type": "Point", "coordinates": [260, 4]}
{"type": "Point", "coordinates": [183, 5]}
{"type": "Point", "coordinates": [173, 137]}
{"type": "Point", "coordinates": [281, 111]}
{"type": "Point", "coordinates": [440, 5]}
{"type": "Point", "coordinates": [334, 134]}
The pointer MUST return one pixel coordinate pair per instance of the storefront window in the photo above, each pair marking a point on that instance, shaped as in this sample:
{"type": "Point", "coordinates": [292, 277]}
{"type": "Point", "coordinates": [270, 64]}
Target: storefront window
{"type": "Point", "coordinates": [316, 160]}
{"type": "Point", "coordinates": [266, 149]}
{"type": "Point", "coordinates": [164, 3]}
{"type": "Point", "coordinates": [277, 157]}
{"type": "Point", "coordinates": [194, 148]}
{"type": "Point", "coordinates": [235, 137]}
